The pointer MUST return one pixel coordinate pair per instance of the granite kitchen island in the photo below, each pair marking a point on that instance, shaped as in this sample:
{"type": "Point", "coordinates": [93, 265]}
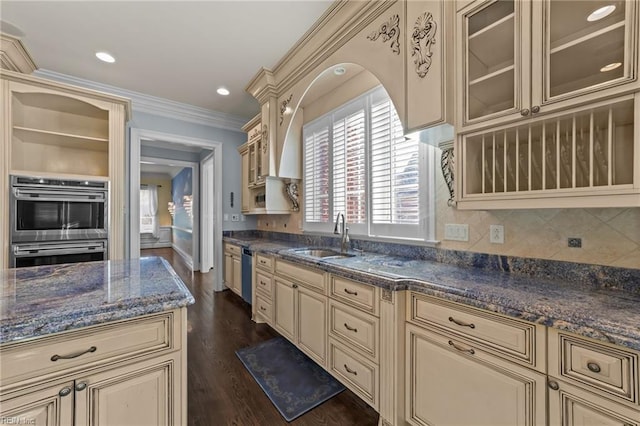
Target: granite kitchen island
{"type": "Point", "coordinates": [95, 342]}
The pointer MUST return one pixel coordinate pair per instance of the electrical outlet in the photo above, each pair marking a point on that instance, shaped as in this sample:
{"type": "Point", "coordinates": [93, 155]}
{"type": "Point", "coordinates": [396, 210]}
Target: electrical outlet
{"type": "Point", "coordinates": [235, 217]}
{"type": "Point", "coordinates": [456, 232]}
{"type": "Point", "coordinates": [496, 234]}
{"type": "Point", "coordinates": [574, 242]}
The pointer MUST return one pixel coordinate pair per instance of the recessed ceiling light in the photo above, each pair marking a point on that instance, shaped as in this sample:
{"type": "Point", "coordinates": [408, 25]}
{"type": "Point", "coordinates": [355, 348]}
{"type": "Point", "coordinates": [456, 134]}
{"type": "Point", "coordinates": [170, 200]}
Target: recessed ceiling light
{"type": "Point", "coordinates": [600, 13]}
{"type": "Point", "coordinates": [610, 67]}
{"type": "Point", "coordinates": [105, 57]}
{"type": "Point", "coordinates": [339, 70]}
{"type": "Point", "coordinates": [222, 91]}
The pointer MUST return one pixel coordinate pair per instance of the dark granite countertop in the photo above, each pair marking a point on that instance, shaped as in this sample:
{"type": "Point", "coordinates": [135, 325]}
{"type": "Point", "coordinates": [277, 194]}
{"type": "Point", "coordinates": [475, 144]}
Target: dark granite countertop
{"type": "Point", "coordinates": [41, 300]}
{"type": "Point", "coordinates": [609, 315]}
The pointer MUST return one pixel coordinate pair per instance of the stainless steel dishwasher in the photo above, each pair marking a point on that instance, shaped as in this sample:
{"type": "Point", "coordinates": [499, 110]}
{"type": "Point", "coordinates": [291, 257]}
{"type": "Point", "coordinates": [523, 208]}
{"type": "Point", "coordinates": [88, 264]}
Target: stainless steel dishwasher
{"type": "Point", "coordinates": [247, 256]}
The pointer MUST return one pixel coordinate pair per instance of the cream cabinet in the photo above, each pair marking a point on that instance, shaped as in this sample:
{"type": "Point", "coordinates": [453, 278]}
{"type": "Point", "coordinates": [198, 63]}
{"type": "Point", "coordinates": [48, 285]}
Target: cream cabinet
{"type": "Point", "coordinates": [133, 373]}
{"type": "Point", "coordinates": [233, 268]}
{"type": "Point", "coordinates": [452, 382]}
{"type": "Point", "coordinates": [262, 192]}
{"type": "Point", "coordinates": [588, 156]}
{"type": "Point", "coordinates": [354, 337]}
{"type": "Point", "coordinates": [55, 130]}
{"type": "Point", "coordinates": [469, 366]}
{"type": "Point", "coordinates": [429, 63]}
{"type": "Point", "coordinates": [517, 59]}
{"type": "Point", "coordinates": [592, 382]}
{"type": "Point", "coordinates": [300, 309]}
{"type": "Point", "coordinates": [263, 289]}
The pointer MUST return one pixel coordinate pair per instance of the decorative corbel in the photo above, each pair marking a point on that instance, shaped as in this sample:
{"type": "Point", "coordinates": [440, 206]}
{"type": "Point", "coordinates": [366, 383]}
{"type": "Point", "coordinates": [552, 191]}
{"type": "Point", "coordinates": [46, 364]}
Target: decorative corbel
{"type": "Point", "coordinates": [422, 39]}
{"type": "Point", "coordinates": [291, 189]}
{"type": "Point", "coordinates": [389, 30]}
{"type": "Point", "coordinates": [447, 165]}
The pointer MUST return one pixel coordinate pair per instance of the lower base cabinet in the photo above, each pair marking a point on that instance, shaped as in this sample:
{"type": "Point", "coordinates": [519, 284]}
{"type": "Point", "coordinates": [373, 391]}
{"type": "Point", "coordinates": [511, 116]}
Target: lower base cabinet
{"type": "Point", "coordinates": [451, 383]}
{"type": "Point", "coordinates": [141, 383]}
{"type": "Point", "coordinates": [300, 315]}
{"type": "Point", "coordinates": [571, 406]}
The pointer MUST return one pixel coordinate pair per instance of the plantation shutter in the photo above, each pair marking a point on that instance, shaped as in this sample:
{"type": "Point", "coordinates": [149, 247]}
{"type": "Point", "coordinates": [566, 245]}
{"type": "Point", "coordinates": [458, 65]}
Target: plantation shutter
{"type": "Point", "coordinates": [395, 175]}
{"type": "Point", "coordinates": [349, 170]}
{"type": "Point", "coordinates": [316, 172]}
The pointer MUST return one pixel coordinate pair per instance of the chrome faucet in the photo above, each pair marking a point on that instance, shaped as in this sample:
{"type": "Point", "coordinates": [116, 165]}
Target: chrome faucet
{"type": "Point", "coordinates": [344, 243]}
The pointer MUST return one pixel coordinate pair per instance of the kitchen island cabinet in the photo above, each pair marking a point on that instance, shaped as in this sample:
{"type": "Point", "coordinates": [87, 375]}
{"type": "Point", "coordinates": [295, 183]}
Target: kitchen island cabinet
{"type": "Point", "coordinates": [94, 343]}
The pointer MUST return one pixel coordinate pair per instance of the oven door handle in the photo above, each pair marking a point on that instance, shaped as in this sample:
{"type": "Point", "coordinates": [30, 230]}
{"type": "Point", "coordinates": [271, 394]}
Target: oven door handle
{"type": "Point", "coordinates": [35, 250]}
{"type": "Point", "coordinates": [44, 195]}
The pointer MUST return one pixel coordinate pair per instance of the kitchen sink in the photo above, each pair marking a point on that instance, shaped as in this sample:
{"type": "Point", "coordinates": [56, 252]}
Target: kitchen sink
{"type": "Point", "coordinates": [321, 253]}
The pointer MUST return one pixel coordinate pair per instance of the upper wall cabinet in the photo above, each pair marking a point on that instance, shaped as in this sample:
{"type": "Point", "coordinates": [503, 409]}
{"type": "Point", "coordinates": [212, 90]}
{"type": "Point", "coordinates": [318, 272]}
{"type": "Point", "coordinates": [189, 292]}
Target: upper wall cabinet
{"type": "Point", "coordinates": [428, 35]}
{"type": "Point", "coordinates": [517, 59]}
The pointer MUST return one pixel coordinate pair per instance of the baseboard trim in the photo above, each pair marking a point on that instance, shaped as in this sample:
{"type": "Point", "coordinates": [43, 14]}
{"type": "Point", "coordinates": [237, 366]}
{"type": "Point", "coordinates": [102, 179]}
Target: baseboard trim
{"type": "Point", "coordinates": [188, 259]}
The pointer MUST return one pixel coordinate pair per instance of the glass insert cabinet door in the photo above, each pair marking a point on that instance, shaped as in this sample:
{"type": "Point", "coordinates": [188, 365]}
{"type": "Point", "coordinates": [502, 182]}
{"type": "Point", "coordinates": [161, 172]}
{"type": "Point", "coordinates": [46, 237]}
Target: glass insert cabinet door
{"type": "Point", "coordinates": [495, 68]}
{"type": "Point", "coordinates": [588, 45]}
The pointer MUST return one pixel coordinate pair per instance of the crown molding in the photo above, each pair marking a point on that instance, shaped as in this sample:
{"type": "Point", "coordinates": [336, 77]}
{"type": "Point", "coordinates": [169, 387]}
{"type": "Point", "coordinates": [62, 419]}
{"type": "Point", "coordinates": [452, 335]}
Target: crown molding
{"type": "Point", "coordinates": [14, 56]}
{"type": "Point", "coordinates": [155, 105]}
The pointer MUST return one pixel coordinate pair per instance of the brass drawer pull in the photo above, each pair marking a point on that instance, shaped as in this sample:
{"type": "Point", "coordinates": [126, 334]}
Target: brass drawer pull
{"type": "Point", "coordinates": [81, 386]}
{"type": "Point", "coordinates": [263, 262]}
{"type": "Point", "coordinates": [461, 324]}
{"type": "Point", "coordinates": [458, 348]}
{"type": "Point", "coordinates": [594, 367]}
{"type": "Point", "coordinates": [262, 308]}
{"type": "Point", "coordinates": [262, 282]}
{"type": "Point", "coordinates": [355, 330]}
{"type": "Point", "coordinates": [554, 385]}
{"type": "Point", "coordinates": [350, 371]}
{"type": "Point", "coordinates": [76, 355]}
{"type": "Point", "coordinates": [353, 293]}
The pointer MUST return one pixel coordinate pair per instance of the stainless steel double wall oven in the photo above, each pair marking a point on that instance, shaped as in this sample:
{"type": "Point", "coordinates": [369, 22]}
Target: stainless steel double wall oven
{"type": "Point", "coordinates": [57, 221]}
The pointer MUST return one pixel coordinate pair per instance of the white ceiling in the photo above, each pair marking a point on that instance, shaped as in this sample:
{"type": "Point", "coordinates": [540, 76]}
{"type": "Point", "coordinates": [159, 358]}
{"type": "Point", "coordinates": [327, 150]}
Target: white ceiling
{"type": "Point", "coordinates": [178, 50]}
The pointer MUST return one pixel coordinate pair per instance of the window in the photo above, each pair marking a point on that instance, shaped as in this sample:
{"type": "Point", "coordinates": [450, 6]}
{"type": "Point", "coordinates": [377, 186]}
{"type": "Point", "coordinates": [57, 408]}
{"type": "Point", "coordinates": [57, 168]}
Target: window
{"type": "Point", "coordinates": [357, 161]}
{"type": "Point", "coordinates": [149, 209]}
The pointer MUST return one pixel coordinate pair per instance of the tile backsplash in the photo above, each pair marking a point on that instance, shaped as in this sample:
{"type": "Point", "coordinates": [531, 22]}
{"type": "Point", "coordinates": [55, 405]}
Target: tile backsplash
{"type": "Point", "coordinates": [609, 236]}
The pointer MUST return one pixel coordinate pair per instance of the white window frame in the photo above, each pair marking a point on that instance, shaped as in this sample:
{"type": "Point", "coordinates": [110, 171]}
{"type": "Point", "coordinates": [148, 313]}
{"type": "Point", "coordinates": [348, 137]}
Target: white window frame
{"type": "Point", "coordinates": [424, 230]}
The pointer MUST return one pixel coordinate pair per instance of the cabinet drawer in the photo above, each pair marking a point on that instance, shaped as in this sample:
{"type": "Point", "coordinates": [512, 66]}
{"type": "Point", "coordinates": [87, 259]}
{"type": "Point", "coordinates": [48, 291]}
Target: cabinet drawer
{"type": "Point", "coordinates": [360, 295]}
{"type": "Point", "coordinates": [264, 308]}
{"type": "Point", "coordinates": [353, 328]}
{"type": "Point", "coordinates": [103, 343]}
{"type": "Point", "coordinates": [314, 279]}
{"type": "Point", "coordinates": [355, 372]}
{"type": "Point", "coordinates": [520, 341]}
{"type": "Point", "coordinates": [610, 369]}
{"type": "Point", "coordinates": [264, 262]}
{"type": "Point", "coordinates": [263, 284]}
{"type": "Point", "coordinates": [233, 249]}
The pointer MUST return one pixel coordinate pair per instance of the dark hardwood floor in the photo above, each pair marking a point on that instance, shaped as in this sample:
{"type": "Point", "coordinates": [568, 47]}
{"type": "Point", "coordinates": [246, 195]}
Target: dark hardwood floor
{"type": "Point", "coordinates": [220, 390]}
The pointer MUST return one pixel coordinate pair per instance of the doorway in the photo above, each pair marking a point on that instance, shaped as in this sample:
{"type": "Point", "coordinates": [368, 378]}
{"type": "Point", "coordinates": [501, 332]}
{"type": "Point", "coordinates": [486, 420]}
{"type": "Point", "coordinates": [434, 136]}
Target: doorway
{"type": "Point", "coordinates": [210, 235]}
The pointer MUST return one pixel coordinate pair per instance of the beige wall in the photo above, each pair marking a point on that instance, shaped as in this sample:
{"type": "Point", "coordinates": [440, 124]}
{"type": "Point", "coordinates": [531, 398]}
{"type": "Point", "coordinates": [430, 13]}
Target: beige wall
{"type": "Point", "coordinates": [164, 194]}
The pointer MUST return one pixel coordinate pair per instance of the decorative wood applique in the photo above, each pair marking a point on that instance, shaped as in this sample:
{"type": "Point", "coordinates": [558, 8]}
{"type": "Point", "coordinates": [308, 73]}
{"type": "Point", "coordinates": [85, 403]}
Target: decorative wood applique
{"type": "Point", "coordinates": [265, 140]}
{"type": "Point", "coordinates": [291, 189]}
{"type": "Point", "coordinates": [447, 163]}
{"type": "Point", "coordinates": [389, 30]}
{"type": "Point", "coordinates": [283, 107]}
{"type": "Point", "coordinates": [387, 295]}
{"type": "Point", "coordinates": [422, 39]}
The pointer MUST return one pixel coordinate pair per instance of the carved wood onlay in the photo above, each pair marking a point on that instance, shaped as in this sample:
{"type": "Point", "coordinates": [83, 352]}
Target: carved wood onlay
{"type": "Point", "coordinates": [265, 139]}
{"type": "Point", "coordinates": [283, 107]}
{"type": "Point", "coordinates": [389, 30]}
{"type": "Point", "coordinates": [422, 39]}
{"type": "Point", "coordinates": [447, 164]}
{"type": "Point", "coordinates": [387, 295]}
